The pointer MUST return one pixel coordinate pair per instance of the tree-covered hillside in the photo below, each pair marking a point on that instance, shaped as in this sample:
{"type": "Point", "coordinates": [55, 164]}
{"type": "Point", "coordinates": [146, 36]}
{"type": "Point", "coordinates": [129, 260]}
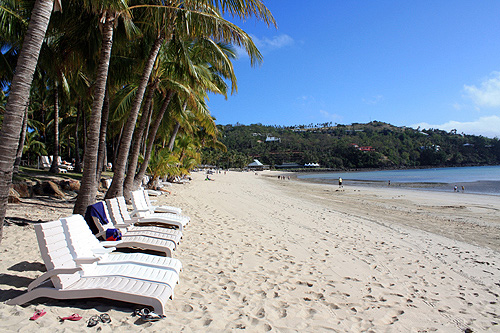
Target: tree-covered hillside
{"type": "Point", "coordinates": [372, 145]}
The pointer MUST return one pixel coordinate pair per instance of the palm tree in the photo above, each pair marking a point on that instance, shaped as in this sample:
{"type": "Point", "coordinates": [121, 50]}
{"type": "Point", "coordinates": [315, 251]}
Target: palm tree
{"type": "Point", "coordinates": [108, 16]}
{"type": "Point", "coordinates": [203, 19]}
{"type": "Point", "coordinates": [18, 96]}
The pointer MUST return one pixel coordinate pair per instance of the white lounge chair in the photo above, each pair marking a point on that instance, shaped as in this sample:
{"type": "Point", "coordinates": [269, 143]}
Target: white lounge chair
{"type": "Point", "coordinates": [147, 240]}
{"type": "Point", "coordinates": [132, 283]}
{"type": "Point", "coordinates": [159, 219]}
{"type": "Point", "coordinates": [44, 162]}
{"type": "Point", "coordinates": [124, 221]}
{"type": "Point", "coordinates": [142, 209]}
{"type": "Point", "coordinates": [85, 248]}
{"type": "Point", "coordinates": [64, 165]}
{"type": "Point", "coordinates": [139, 203]}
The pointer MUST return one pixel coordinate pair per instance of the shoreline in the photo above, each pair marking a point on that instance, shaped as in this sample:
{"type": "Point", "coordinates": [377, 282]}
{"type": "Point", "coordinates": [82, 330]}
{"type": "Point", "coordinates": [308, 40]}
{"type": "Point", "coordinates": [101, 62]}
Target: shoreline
{"type": "Point", "coordinates": [283, 255]}
{"type": "Point", "coordinates": [475, 187]}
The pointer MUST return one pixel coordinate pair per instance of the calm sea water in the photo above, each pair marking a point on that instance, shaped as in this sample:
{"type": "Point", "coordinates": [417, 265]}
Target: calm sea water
{"type": "Point", "coordinates": [484, 179]}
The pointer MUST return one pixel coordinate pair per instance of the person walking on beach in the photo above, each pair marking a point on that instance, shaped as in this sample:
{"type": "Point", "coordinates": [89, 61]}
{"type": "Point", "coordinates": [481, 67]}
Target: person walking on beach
{"type": "Point", "coordinates": [455, 189]}
{"type": "Point", "coordinates": [463, 189]}
{"type": "Point", "coordinates": [340, 182]}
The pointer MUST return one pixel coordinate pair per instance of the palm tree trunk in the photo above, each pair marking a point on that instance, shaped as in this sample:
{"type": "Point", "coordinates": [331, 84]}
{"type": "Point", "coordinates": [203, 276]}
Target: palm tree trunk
{"type": "Point", "coordinates": [144, 143]}
{"type": "Point", "coordinates": [88, 187]}
{"type": "Point", "coordinates": [55, 158]}
{"type": "Point", "coordinates": [20, 148]}
{"type": "Point", "coordinates": [78, 165]}
{"type": "Point", "coordinates": [116, 188]}
{"type": "Point", "coordinates": [18, 97]}
{"type": "Point", "coordinates": [102, 135]}
{"type": "Point", "coordinates": [84, 137]}
{"type": "Point", "coordinates": [176, 130]}
{"type": "Point", "coordinates": [174, 135]}
{"type": "Point", "coordinates": [128, 185]}
{"type": "Point", "coordinates": [151, 138]}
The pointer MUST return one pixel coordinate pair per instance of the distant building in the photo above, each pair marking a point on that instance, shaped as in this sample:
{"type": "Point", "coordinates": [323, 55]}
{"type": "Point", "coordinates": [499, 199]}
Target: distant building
{"type": "Point", "coordinates": [272, 139]}
{"type": "Point", "coordinates": [256, 165]}
{"type": "Point", "coordinates": [289, 166]}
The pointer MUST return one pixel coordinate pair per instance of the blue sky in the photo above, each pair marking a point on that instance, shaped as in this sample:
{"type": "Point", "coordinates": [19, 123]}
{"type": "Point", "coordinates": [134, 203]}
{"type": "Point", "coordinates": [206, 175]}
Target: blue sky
{"type": "Point", "coordinates": [433, 64]}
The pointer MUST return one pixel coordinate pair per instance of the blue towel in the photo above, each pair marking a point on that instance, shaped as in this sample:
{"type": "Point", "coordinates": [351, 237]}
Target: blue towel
{"type": "Point", "coordinates": [113, 234]}
{"type": "Point", "coordinates": [96, 210]}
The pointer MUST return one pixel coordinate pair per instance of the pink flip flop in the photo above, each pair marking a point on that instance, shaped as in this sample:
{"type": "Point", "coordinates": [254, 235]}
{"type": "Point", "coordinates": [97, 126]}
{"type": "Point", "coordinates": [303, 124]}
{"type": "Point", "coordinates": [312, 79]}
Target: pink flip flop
{"type": "Point", "coordinates": [38, 314]}
{"type": "Point", "coordinates": [73, 317]}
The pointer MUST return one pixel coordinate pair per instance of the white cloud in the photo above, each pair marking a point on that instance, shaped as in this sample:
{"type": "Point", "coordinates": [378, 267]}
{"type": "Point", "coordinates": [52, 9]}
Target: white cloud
{"type": "Point", "coordinates": [276, 42]}
{"type": "Point", "coordinates": [266, 44]}
{"type": "Point", "coordinates": [329, 116]}
{"type": "Point", "coordinates": [488, 93]}
{"type": "Point", "coordinates": [488, 126]}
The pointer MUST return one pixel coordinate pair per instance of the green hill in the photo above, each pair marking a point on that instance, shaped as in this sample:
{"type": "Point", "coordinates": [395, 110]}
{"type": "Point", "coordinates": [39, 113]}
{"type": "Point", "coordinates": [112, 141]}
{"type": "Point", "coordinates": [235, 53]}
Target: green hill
{"type": "Point", "coordinates": [372, 145]}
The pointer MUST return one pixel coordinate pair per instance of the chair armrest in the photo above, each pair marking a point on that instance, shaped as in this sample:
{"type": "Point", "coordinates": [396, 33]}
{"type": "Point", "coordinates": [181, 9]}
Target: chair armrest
{"type": "Point", "coordinates": [102, 251]}
{"type": "Point", "coordinates": [160, 220]}
{"type": "Point", "coordinates": [47, 275]}
{"type": "Point", "coordinates": [136, 211]}
{"type": "Point", "coordinates": [110, 243]}
{"type": "Point", "coordinates": [86, 260]}
{"type": "Point", "coordinates": [134, 219]}
{"type": "Point", "coordinates": [122, 225]}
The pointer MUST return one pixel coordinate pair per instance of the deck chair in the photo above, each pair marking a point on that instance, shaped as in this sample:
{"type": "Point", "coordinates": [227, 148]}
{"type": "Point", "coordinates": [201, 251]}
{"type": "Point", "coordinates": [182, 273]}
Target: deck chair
{"type": "Point", "coordinates": [146, 203]}
{"type": "Point", "coordinates": [121, 221]}
{"type": "Point", "coordinates": [153, 241]}
{"type": "Point", "coordinates": [159, 219]}
{"type": "Point", "coordinates": [132, 283]}
{"type": "Point", "coordinates": [44, 161]}
{"type": "Point", "coordinates": [142, 209]}
{"type": "Point", "coordinates": [86, 248]}
{"type": "Point", "coordinates": [65, 165]}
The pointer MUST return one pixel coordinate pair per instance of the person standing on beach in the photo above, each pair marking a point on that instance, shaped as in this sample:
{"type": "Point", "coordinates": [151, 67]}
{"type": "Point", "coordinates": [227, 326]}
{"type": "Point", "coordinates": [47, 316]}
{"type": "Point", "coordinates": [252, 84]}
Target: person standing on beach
{"type": "Point", "coordinates": [340, 182]}
{"type": "Point", "coordinates": [463, 189]}
{"type": "Point", "coordinates": [455, 189]}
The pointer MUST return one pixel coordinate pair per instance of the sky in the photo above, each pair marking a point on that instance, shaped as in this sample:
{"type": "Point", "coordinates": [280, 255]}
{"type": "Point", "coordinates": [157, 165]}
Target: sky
{"type": "Point", "coordinates": [433, 64]}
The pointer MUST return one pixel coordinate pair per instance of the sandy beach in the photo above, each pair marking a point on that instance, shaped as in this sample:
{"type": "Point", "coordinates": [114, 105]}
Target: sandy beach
{"type": "Point", "coordinates": [266, 254]}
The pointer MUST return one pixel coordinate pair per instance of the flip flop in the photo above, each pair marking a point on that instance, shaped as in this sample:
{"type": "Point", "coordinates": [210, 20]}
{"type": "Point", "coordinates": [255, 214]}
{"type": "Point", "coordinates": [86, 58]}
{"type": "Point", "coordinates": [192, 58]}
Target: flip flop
{"type": "Point", "coordinates": [94, 320]}
{"type": "Point", "coordinates": [73, 317]}
{"type": "Point", "coordinates": [38, 314]}
{"type": "Point", "coordinates": [148, 315]}
{"type": "Point", "coordinates": [105, 318]}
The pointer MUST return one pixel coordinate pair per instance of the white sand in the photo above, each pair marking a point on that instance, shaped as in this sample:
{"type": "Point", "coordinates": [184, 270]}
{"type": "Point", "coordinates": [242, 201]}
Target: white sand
{"type": "Point", "coordinates": [268, 254]}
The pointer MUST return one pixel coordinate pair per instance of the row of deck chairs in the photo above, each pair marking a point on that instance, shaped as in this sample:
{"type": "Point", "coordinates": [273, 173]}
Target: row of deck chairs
{"type": "Point", "coordinates": [45, 162]}
{"type": "Point", "coordinates": [80, 266]}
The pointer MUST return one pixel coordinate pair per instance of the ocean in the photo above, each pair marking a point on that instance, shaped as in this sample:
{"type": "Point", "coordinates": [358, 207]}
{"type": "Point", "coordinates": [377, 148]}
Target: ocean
{"type": "Point", "coordinates": [482, 179]}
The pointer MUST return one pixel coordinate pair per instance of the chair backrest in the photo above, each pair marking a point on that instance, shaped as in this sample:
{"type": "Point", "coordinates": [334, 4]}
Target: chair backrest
{"type": "Point", "coordinates": [123, 209]}
{"type": "Point", "coordinates": [115, 212]}
{"type": "Point", "coordinates": [146, 198]}
{"type": "Point", "coordinates": [45, 161]}
{"type": "Point", "coordinates": [79, 236]}
{"type": "Point", "coordinates": [138, 200]}
{"type": "Point", "coordinates": [55, 252]}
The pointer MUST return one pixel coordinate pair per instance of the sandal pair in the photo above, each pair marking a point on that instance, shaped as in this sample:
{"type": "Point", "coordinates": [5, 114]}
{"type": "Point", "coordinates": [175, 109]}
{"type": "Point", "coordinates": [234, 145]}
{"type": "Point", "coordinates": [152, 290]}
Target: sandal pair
{"type": "Point", "coordinates": [96, 319]}
{"type": "Point", "coordinates": [148, 315]}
